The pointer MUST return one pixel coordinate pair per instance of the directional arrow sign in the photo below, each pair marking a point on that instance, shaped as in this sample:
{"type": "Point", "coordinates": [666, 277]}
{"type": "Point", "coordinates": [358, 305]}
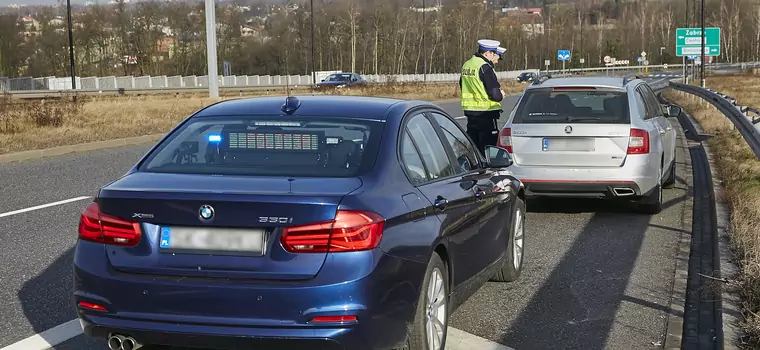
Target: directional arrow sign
{"type": "Point", "coordinates": [689, 41]}
{"type": "Point", "coordinates": [563, 55]}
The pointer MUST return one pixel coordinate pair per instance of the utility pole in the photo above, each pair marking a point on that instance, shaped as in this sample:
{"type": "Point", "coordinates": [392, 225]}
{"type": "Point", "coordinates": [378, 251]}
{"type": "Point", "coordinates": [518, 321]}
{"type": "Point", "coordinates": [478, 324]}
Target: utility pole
{"type": "Point", "coordinates": [71, 47]}
{"type": "Point", "coordinates": [702, 59]}
{"type": "Point", "coordinates": [213, 73]}
{"type": "Point", "coordinates": [313, 59]}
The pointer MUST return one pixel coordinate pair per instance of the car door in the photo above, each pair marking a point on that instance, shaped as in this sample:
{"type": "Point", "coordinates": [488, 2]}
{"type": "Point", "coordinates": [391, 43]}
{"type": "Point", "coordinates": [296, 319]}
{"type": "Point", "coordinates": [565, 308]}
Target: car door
{"type": "Point", "coordinates": [490, 242]}
{"type": "Point", "coordinates": [665, 127]}
{"type": "Point", "coordinates": [453, 199]}
{"type": "Point", "coordinates": [657, 119]}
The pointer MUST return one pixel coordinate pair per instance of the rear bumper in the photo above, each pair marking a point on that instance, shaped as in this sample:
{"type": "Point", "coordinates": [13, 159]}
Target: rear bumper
{"type": "Point", "coordinates": [381, 292]}
{"type": "Point", "coordinates": [637, 177]}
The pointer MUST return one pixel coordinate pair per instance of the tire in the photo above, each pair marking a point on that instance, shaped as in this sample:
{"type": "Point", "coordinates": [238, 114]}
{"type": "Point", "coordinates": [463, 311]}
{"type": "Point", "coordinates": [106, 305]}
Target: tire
{"type": "Point", "coordinates": [652, 203]}
{"type": "Point", "coordinates": [513, 262]}
{"type": "Point", "coordinates": [418, 336]}
{"type": "Point", "coordinates": [671, 180]}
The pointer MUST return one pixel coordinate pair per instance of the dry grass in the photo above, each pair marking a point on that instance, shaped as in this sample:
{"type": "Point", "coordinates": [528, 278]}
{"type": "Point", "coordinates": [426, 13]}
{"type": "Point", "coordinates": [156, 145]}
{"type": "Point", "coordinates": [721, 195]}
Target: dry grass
{"type": "Point", "coordinates": [740, 171]}
{"type": "Point", "coordinates": [28, 125]}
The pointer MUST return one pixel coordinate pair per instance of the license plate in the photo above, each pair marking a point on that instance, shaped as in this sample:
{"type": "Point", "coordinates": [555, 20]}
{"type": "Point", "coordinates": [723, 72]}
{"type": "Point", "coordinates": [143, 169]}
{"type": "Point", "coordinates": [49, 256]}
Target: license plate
{"type": "Point", "coordinates": [213, 240]}
{"type": "Point", "coordinates": [568, 144]}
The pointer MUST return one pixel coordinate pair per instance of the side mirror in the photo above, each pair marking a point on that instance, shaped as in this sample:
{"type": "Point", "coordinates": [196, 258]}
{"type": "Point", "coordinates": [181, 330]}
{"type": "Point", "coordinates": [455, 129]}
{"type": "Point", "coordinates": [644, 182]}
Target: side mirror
{"type": "Point", "coordinates": [497, 157]}
{"type": "Point", "coordinates": [674, 111]}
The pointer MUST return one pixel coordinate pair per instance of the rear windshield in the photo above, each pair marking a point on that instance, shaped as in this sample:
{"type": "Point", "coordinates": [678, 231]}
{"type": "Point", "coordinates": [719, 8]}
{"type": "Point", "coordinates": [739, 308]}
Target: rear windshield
{"type": "Point", "coordinates": [573, 105]}
{"type": "Point", "coordinates": [269, 146]}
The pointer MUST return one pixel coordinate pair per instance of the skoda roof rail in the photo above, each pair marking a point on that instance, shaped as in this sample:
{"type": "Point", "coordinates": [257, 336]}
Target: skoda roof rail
{"type": "Point", "coordinates": [630, 76]}
{"type": "Point", "coordinates": [541, 78]}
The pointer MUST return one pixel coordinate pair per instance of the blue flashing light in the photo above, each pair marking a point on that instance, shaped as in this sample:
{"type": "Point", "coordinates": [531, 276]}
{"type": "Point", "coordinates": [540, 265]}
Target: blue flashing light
{"type": "Point", "coordinates": [214, 138]}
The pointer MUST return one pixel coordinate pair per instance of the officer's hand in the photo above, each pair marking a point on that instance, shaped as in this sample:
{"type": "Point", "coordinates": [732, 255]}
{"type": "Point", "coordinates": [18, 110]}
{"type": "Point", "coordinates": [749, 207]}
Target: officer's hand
{"type": "Point", "coordinates": [502, 92]}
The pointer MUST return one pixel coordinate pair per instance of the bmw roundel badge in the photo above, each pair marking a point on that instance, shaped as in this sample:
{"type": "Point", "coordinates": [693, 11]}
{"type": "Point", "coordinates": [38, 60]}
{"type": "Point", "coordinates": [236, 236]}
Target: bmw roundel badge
{"type": "Point", "coordinates": [206, 212]}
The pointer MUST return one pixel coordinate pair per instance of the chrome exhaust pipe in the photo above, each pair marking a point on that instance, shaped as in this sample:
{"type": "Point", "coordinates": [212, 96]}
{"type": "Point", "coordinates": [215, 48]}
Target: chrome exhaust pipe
{"type": "Point", "coordinates": [115, 342]}
{"type": "Point", "coordinates": [130, 343]}
{"type": "Point", "coordinates": [621, 192]}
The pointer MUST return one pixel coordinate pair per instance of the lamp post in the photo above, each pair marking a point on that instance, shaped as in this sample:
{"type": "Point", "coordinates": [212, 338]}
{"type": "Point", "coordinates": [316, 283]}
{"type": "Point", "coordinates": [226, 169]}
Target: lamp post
{"type": "Point", "coordinates": [313, 59]}
{"type": "Point", "coordinates": [424, 44]}
{"type": "Point", "coordinates": [702, 59]}
{"type": "Point", "coordinates": [71, 47]}
{"type": "Point", "coordinates": [213, 74]}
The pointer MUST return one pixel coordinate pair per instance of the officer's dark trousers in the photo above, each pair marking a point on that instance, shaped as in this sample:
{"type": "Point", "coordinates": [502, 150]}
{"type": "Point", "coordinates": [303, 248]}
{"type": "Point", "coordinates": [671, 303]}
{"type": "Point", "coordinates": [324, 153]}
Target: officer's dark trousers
{"type": "Point", "coordinates": [482, 127]}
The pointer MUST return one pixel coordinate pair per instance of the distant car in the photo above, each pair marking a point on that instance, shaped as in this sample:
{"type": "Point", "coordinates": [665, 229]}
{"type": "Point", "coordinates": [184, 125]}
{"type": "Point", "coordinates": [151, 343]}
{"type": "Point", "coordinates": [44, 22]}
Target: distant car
{"type": "Point", "coordinates": [341, 80]}
{"type": "Point", "coordinates": [526, 77]}
{"type": "Point", "coordinates": [601, 137]}
{"type": "Point", "coordinates": [327, 222]}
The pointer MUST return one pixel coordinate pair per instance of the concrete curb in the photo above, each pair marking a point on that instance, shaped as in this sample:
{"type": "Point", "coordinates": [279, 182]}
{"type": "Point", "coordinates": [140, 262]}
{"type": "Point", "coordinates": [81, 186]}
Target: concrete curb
{"type": "Point", "coordinates": [730, 298]}
{"type": "Point", "coordinates": [675, 322]}
{"type": "Point", "coordinates": [82, 147]}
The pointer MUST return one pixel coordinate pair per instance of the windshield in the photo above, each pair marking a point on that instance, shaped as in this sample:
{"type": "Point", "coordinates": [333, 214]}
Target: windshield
{"type": "Point", "coordinates": [575, 105]}
{"type": "Point", "coordinates": [270, 146]}
{"type": "Point", "coordinates": [338, 77]}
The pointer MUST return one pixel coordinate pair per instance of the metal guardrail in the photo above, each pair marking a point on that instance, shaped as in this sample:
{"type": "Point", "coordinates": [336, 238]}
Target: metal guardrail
{"type": "Point", "coordinates": [737, 114]}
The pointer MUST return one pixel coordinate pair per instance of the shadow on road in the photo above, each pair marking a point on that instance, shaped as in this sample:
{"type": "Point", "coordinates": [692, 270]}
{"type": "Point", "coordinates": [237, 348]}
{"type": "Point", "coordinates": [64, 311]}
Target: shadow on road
{"type": "Point", "coordinates": [577, 305]}
{"type": "Point", "coordinates": [47, 299]}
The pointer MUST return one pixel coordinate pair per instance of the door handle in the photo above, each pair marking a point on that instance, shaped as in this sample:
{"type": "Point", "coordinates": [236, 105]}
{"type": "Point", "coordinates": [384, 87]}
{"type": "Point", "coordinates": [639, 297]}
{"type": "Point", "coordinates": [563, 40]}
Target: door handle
{"type": "Point", "coordinates": [441, 203]}
{"type": "Point", "coordinates": [479, 193]}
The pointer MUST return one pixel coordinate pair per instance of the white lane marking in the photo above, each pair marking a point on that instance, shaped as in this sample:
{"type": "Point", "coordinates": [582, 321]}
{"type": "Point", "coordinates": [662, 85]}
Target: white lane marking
{"type": "Point", "coordinates": [455, 340]}
{"type": "Point", "coordinates": [2, 215]}
{"type": "Point", "coordinates": [49, 338]}
{"type": "Point", "coordinates": [460, 340]}
{"type": "Point", "coordinates": [462, 117]}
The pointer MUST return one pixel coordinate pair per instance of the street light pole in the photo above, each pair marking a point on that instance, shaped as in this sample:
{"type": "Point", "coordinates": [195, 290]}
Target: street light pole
{"type": "Point", "coordinates": [313, 59]}
{"type": "Point", "coordinates": [71, 47]}
{"type": "Point", "coordinates": [213, 73]}
{"type": "Point", "coordinates": [702, 60]}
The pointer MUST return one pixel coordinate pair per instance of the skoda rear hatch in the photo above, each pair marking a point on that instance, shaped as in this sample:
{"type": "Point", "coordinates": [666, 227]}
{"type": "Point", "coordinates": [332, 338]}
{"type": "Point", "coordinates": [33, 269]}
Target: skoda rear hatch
{"type": "Point", "coordinates": [569, 127]}
{"type": "Point", "coordinates": [251, 198]}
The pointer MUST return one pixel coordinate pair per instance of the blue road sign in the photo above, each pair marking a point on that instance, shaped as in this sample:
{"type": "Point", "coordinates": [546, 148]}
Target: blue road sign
{"type": "Point", "coordinates": [640, 59]}
{"type": "Point", "coordinates": [563, 55]}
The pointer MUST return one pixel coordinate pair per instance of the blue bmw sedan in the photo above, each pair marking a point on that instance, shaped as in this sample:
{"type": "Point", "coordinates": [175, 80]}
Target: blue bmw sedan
{"type": "Point", "coordinates": [320, 222]}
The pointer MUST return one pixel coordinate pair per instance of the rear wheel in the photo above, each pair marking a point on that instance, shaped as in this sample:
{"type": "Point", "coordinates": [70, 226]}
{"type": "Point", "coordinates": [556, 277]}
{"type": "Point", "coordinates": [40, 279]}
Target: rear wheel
{"type": "Point", "coordinates": [513, 263]}
{"type": "Point", "coordinates": [432, 317]}
{"type": "Point", "coordinates": [652, 203]}
{"type": "Point", "coordinates": [671, 180]}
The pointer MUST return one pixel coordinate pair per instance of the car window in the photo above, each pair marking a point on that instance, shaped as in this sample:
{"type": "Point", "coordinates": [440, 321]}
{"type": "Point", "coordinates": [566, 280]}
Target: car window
{"type": "Point", "coordinates": [431, 148]}
{"type": "Point", "coordinates": [641, 105]}
{"type": "Point", "coordinates": [270, 146]}
{"type": "Point", "coordinates": [573, 104]}
{"type": "Point", "coordinates": [411, 160]}
{"type": "Point", "coordinates": [653, 101]}
{"type": "Point", "coordinates": [464, 152]}
{"type": "Point", "coordinates": [650, 109]}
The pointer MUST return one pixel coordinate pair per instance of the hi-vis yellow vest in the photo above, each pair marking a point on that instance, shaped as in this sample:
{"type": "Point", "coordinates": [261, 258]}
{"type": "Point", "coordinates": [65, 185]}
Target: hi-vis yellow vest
{"type": "Point", "coordinates": [474, 96]}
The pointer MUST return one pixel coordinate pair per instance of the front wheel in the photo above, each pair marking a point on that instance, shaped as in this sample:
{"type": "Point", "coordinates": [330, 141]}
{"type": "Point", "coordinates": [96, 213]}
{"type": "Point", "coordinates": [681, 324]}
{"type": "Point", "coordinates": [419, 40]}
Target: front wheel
{"type": "Point", "coordinates": [432, 317]}
{"type": "Point", "coordinates": [513, 262]}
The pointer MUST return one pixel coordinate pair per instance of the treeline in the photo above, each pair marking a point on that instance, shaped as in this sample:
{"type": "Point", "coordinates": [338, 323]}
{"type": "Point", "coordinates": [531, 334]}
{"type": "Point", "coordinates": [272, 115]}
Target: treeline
{"type": "Point", "coordinates": [368, 36]}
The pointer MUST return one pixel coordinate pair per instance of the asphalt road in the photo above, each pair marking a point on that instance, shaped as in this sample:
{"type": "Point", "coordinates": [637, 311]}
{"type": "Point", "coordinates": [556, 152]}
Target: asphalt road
{"type": "Point", "coordinates": [596, 275]}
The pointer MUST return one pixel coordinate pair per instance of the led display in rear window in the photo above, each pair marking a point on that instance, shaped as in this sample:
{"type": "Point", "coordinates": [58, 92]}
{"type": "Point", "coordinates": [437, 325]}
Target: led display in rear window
{"type": "Point", "coordinates": [274, 141]}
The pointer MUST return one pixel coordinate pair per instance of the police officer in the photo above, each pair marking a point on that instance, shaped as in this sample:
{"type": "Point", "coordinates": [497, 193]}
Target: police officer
{"type": "Point", "coordinates": [482, 94]}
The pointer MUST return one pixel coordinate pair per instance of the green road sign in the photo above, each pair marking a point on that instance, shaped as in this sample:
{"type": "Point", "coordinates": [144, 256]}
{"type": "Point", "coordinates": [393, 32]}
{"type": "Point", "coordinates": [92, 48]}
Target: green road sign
{"type": "Point", "coordinates": [689, 41]}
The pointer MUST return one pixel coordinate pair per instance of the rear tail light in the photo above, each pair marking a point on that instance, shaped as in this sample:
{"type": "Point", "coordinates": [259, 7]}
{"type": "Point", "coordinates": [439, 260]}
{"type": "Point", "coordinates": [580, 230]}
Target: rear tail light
{"type": "Point", "coordinates": [95, 226]}
{"type": "Point", "coordinates": [638, 143]}
{"type": "Point", "coordinates": [91, 306]}
{"type": "Point", "coordinates": [334, 319]}
{"type": "Point", "coordinates": [350, 231]}
{"type": "Point", "coordinates": [505, 139]}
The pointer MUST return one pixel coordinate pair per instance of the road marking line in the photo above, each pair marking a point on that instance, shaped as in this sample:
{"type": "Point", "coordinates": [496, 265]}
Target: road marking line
{"type": "Point", "coordinates": [455, 340]}
{"type": "Point", "coordinates": [49, 338]}
{"type": "Point", "coordinates": [2, 215]}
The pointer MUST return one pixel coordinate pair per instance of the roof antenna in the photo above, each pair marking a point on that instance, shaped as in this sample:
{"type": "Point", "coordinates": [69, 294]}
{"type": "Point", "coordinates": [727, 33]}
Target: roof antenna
{"type": "Point", "coordinates": [287, 75]}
